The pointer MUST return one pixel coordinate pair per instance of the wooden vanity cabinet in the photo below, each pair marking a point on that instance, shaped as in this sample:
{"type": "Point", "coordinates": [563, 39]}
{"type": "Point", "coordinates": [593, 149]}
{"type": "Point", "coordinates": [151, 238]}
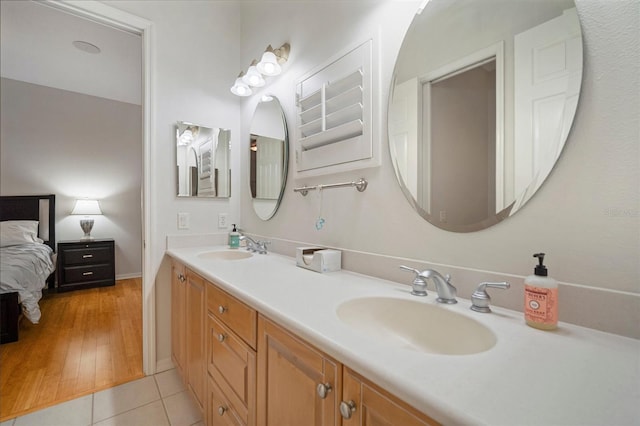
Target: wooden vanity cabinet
{"type": "Point", "coordinates": [196, 371]}
{"type": "Point", "coordinates": [231, 360]}
{"type": "Point", "coordinates": [178, 317]}
{"type": "Point", "coordinates": [245, 370]}
{"type": "Point", "coordinates": [366, 404]}
{"type": "Point", "coordinates": [297, 384]}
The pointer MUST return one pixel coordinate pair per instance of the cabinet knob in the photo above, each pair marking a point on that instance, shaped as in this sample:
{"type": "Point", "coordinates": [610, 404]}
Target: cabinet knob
{"type": "Point", "coordinates": [347, 408]}
{"type": "Point", "coordinates": [181, 278]}
{"type": "Point", "coordinates": [222, 309]}
{"type": "Point", "coordinates": [323, 389]}
{"type": "Point", "coordinates": [221, 337]}
{"type": "Point", "coordinates": [221, 410]}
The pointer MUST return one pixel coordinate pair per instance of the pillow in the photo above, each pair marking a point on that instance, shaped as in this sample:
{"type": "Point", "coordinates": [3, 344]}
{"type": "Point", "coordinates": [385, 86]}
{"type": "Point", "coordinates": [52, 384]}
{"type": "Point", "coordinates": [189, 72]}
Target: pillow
{"type": "Point", "coordinates": [15, 232]}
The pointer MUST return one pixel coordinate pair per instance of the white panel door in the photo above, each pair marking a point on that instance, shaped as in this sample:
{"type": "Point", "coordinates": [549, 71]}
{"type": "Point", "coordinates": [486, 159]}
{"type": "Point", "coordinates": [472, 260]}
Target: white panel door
{"type": "Point", "coordinates": [548, 72]}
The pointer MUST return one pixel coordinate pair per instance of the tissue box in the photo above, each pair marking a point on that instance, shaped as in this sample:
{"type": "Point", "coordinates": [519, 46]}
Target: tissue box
{"type": "Point", "coordinates": [319, 259]}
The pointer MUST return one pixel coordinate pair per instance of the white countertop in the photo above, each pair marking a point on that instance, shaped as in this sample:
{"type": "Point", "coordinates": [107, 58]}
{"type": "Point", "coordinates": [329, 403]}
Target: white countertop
{"type": "Point", "coordinates": [571, 376]}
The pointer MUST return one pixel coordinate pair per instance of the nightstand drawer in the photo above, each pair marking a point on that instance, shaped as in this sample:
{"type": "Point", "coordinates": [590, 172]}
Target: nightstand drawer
{"type": "Point", "coordinates": [88, 256]}
{"type": "Point", "coordinates": [77, 274]}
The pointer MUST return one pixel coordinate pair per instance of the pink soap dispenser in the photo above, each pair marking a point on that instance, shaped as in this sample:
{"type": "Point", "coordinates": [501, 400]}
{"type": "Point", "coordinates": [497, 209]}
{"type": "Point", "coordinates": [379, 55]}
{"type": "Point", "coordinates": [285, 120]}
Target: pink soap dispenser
{"type": "Point", "coordinates": [541, 298]}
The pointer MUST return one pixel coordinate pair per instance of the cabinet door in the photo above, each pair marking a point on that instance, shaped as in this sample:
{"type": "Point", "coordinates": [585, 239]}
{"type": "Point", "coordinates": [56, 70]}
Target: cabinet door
{"type": "Point", "coordinates": [289, 373]}
{"type": "Point", "coordinates": [366, 404]}
{"type": "Point", "coordinates": [196, 372]}
{"type": "Point", "coordinates": [178, 319]}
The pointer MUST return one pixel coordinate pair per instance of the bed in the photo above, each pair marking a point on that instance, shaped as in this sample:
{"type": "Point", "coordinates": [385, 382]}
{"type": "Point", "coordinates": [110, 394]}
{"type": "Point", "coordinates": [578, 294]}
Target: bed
{"type": "Point", "coordinates": [27, 245]}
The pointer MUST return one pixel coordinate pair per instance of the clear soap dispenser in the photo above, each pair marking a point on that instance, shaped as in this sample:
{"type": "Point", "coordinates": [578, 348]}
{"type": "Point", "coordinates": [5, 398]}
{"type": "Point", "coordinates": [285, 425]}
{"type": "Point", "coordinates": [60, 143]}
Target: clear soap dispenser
{"type": "Point", "coordinates": [234, 237]}
{"type": "Point", "coordinates": [541, 298]}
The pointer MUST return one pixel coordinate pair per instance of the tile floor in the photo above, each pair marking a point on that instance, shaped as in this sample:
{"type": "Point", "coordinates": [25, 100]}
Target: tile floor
{"type": "Point", "coordinates": [159, 400]}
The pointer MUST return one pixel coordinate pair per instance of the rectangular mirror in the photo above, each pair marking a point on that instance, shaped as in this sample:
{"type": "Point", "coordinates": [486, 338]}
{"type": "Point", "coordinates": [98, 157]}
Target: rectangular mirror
{"type": "Point", "coordinates": [203, 161]}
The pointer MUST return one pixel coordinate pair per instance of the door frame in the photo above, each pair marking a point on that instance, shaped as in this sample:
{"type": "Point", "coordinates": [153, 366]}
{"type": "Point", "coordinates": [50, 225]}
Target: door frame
{"type": "Point", "coordinates": [102, 13]}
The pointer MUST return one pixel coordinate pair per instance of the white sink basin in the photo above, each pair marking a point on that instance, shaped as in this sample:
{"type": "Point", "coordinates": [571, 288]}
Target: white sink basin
{"type": "Point", "coordinates": [416, 325]}
{"type": "Point", "coordinates": [225, 255]}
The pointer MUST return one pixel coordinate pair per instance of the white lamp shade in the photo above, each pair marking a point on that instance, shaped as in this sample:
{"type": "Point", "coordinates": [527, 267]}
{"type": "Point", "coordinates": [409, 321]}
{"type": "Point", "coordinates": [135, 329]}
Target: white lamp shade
{"type": "Point", "coordinates": [253, 77]}
{"type": "Point", "coordinates": [87, 207]}
{"type": "Point", "coordinates": [240, 88]}
{"type": "Point", "coordinates": [268, 65]}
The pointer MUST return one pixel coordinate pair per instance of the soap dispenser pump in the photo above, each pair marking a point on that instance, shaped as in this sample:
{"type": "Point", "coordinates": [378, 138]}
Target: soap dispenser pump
{"type": "Point", "coordinates": [234, 237]}
{"type": "Point", "coordinates": [541, 298]}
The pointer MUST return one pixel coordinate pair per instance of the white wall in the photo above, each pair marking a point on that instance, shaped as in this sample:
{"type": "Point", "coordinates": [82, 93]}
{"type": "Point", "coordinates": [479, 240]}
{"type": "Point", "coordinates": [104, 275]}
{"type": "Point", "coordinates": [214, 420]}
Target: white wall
{"type": "Point", "coordinates": [586, 217]}
{"type": "Point", "coordinates": [194, 63]}
{"type": "Point", "coordinates": [74, 145]}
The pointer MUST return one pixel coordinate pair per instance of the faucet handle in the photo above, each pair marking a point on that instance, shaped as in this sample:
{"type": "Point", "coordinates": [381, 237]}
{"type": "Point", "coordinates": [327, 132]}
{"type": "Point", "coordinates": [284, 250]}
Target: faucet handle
{"type": "Point", "coordinates": [480, 299]}
{"type": "Point", "coordinates": [419, 285]}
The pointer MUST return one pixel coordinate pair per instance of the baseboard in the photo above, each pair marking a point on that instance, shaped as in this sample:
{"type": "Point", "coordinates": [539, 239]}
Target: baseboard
{"type": "Point", "coordinates": [164, 365]}
{"type": "Point", "coordinates": [129, 276]}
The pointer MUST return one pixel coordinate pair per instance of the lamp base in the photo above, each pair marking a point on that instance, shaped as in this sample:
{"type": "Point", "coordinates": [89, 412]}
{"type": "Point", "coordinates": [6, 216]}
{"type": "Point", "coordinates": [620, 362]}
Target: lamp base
{"type": "Point", "coordinates": [86, 225]}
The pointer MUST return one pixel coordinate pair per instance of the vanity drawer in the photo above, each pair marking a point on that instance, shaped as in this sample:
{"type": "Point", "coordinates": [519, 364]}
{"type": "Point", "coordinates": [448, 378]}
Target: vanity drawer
{"type": "Point", "coordinates": [232, 365]}
{"type": "Point", "coordinates": [219, 411]}
{"type": "Point", "coordinates": [240, 318]}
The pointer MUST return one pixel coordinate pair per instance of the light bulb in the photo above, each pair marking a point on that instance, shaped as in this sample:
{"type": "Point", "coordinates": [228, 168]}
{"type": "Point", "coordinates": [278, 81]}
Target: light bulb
{"type": "Point", "coordinates": [268, 65]}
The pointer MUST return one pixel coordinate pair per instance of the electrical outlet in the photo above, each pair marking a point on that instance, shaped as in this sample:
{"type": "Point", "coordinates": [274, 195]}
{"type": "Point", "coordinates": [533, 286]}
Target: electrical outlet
{"type": "Point", "coordinates": [223, 221]}
{"type": "Point", "coordinates": [183, 220]}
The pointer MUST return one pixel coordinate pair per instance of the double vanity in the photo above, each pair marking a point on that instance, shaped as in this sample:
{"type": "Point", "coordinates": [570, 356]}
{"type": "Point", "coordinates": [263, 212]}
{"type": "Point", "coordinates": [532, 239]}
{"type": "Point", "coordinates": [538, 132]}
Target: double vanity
{"type": "Point", "coordinates": [259, 341]}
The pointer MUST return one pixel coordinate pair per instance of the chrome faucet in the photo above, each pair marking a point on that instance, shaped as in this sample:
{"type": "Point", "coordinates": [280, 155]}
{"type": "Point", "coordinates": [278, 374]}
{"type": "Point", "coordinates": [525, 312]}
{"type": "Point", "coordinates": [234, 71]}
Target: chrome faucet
{"type": "Point", "coordinates": [255, 246]}
{"type": "Point", "coordinates": [446, 291]}
{"type": "Point", "coordinates": [480, 299]}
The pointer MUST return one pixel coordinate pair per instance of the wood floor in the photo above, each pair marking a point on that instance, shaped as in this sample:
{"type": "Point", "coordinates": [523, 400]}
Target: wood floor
{"type": "Point", "coordinates": [87, 340]}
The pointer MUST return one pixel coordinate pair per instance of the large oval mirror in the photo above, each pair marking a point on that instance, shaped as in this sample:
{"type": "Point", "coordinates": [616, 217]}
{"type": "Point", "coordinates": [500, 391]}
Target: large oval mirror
{"type": "Point", "coordinates": [203, 161]}
{"type": "Point", "coordinates": [483, 97]}
{"type": "Point", "coordinates": [269, 156]}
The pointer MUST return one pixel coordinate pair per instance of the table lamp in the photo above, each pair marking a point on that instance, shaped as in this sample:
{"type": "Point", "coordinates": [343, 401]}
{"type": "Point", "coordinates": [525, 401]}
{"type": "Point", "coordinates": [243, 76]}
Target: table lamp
{"type": "Point", "coordinates": [86, 207]}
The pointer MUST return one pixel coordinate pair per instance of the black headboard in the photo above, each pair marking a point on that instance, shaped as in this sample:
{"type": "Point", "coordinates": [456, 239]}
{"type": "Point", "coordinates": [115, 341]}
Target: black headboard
{"type": "Point", "coordinates": [27, 207]}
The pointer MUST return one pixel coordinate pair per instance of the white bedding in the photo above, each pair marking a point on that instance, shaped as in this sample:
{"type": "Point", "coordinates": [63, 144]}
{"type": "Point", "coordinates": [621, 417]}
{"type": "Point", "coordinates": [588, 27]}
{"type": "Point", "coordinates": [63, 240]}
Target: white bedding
{"type": "Point", "coordinates": [24, 268]}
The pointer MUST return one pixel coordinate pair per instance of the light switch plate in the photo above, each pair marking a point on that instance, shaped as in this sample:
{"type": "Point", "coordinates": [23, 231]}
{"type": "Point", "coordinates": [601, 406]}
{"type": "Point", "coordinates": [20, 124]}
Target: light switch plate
{"type": "Point", "coordinates": [183, 220]}
{"type": "Point", "coordinates": [223, 220]}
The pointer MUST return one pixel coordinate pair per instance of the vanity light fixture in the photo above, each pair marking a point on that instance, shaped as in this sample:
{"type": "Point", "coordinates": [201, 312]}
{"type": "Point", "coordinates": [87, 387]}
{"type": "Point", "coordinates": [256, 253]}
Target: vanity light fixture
{"type": "Point", "coordinates": [253, 77]}
{"type": "Point", "coordinates": [86, 208]}
{"type": "Point", "coordinates": [240, 88]}
{"type": "Point", "coordinates": [188, 136]}
{"type": "Point", "coordinates": [270, 65]}
{"type": "Point", "coordinates": [271, 61]}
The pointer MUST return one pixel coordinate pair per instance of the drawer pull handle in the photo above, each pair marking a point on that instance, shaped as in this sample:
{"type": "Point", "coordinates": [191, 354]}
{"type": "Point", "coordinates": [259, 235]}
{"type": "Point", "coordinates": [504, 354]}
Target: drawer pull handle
{"type": "Point", "coordinates": [221, 337]}
{"type": "Point", "coordinates": [323, 390]}
{"type": "Point", "coordinates": [347, 408]}
{"type": "Point", "coordinates": [222, 309]}
{"type": "Point", "coordinates": [221, 410]}
{"type": "Point", "coordinates": [87, 273]}
{"type": "Point", "coordinates": [87, 256]}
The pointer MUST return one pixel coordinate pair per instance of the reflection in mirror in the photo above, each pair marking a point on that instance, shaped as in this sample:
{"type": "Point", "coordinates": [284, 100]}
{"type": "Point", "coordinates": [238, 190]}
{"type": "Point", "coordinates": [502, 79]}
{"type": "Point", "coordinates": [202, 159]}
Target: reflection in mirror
{"type": "Point", "coordinates": [483, 97]}
{"type": "Point", "coordinates": [269, 157]}
{"type": "Point", "coordinates": [203, 156]}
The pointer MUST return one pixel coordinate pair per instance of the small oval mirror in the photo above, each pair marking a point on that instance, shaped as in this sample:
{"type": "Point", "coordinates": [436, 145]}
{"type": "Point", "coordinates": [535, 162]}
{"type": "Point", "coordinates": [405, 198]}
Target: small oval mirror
{"type": "Point", "coordinates": [202, 161]}
{"type": "Point", "coordinates": [269, 156]}
{"type": "Point", "coordinates": [483, 97]}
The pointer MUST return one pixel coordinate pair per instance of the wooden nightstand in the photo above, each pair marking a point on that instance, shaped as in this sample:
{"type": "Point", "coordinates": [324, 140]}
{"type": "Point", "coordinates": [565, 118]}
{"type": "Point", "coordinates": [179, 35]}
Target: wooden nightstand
{"type": "Point", "coordinates": [86, 264]}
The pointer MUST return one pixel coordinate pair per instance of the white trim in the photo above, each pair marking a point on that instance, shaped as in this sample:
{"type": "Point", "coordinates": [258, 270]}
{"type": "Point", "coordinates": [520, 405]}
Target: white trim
{"type": "Point", "coordinates": [102, 13]}
{"type": "Point", "coordinates": [129, 276]}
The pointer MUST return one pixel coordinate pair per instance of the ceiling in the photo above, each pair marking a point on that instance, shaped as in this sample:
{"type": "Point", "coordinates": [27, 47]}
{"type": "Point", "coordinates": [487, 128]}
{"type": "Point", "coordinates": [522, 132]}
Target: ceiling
{"type": "Point", "coordinates": [36, 47]}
